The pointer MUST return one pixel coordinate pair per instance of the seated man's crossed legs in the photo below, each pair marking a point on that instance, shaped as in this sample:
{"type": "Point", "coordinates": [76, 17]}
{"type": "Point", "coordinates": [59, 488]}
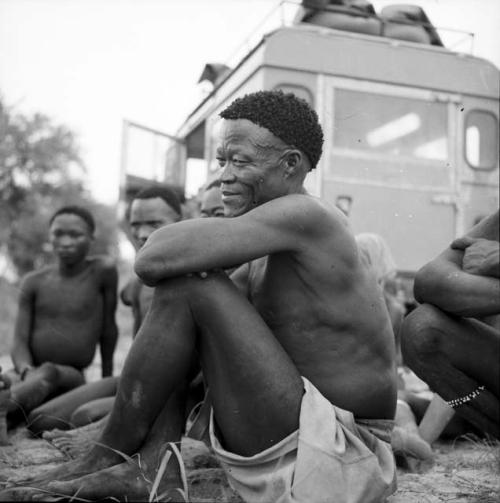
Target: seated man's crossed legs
{"type": "Point", "coordinates": [59, 411]}
{"type": "Point", "coordinates": [21, 395]}
{"type": "Point", "coordinates": [458, 358]}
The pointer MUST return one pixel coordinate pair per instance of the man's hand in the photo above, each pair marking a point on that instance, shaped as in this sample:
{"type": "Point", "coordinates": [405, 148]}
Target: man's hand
{"type": "Point", "coordinates": [5, 382]}
{"type": "Point", "coordinates": [481, 256]}
{"type": "Point", "coordinates": [24, 371]}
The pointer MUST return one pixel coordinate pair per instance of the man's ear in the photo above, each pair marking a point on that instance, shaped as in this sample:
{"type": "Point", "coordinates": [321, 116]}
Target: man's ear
{"type": "Point", "coordinates": [293, 160]}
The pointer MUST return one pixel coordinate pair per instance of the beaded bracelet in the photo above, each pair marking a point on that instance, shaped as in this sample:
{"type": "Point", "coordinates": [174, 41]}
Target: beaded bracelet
{"type": "Point", "coordinates": [467, 398]}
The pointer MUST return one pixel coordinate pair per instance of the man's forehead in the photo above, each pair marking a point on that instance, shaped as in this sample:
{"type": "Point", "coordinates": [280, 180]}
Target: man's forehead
{"type": "Point", "coordinates": [151, 206]}
{"type": "Point", "coordinates": [68, 220]}
{"type": "Point", "coordinates": [245, 130]}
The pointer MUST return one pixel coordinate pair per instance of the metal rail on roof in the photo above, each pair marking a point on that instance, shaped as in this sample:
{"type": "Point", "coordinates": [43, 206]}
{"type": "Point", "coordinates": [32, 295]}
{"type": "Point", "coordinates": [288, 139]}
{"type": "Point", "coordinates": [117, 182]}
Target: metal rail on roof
{"type": "Point", "coordinates": [283, 13]}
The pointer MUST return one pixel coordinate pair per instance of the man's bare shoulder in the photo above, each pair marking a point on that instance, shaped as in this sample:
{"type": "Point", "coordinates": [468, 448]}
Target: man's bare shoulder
{"type": "Point", "coordinates": [102, 262]}
{"type": "Point", "coordinates": [104, 269]}
{"type": "Point", "coordinates": [33, 279]}
{"type": "Point", "coordinates": [305, 211]}
{"type": "Point", "coordinates": [129, 294]}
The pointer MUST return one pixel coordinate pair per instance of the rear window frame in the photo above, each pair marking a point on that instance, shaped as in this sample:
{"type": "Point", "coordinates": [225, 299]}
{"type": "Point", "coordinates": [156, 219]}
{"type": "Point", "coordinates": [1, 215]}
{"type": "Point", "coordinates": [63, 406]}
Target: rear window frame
{"type": "Point", "coordinates": [497, 132]}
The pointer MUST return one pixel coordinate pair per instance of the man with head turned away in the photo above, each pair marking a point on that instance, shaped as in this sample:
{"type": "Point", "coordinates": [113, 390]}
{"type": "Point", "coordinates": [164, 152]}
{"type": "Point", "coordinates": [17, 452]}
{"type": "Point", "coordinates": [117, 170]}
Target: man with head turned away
{"type": "Point", "coordinates": [211, 200]}
{"type": "Point", "coordinates": [65, 311]}
{"type": "Point", "coordinates": [301, 370]}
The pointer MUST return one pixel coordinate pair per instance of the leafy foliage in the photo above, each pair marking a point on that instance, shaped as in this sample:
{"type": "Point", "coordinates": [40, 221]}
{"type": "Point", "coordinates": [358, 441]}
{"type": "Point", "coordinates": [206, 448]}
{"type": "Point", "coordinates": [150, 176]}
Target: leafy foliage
{"type": "Point", "coordinates": [40, 171]}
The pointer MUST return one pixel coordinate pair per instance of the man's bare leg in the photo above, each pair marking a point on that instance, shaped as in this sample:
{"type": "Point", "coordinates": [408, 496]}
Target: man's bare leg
{"type": "Point", "coordinates": [245, 373]}
{"type": "Point", "coordinates": [24, 396]}
{"type": "Point", "coordinates": [57, 412]}
{"type": "Point", "coordinates": [135, 480]}
{"type": "Point", "coordinates": [77, 441]}
{"type": "Point", "coordinates": [85, 430]}
{"type": "Point", "coordinates": [455, 356]}
{"type": "Point", "coordinates": [405, 438]}
{"type": "Point", "coordinates": [68, 378]}
{"type": "Point", "coordinates": [92, 411]}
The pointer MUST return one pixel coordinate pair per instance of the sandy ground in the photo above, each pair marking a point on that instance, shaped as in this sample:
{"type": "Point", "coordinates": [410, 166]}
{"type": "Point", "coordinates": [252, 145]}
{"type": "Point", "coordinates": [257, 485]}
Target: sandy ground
{"type": "Point", "coordinates": [466, 471]}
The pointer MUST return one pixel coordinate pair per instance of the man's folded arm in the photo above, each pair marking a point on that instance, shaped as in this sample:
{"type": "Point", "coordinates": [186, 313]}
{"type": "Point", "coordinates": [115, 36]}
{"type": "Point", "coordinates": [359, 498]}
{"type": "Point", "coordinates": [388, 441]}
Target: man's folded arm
{"type": "Point", "coordinates": [215, 243]}
{"type": "Point", "coordinates": [444, 283]}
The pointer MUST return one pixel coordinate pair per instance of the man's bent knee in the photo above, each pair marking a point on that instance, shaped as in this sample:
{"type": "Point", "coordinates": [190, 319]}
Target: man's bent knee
{"type": "Point", "coordinates": [184, 286]}
{"type": "Point", "coordinates": [421, 334]}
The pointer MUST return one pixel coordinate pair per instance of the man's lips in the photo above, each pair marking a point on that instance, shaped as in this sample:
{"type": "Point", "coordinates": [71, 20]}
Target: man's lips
{"type": "Point", "coordinates": [228, 195]}
{"type": "Point", "coordinates": [66, 252]}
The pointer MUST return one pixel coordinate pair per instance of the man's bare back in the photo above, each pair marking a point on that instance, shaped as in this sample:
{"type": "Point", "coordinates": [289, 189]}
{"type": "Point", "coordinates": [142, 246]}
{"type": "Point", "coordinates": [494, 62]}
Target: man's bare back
{"type": "Point", "coordinates": [315, 302]}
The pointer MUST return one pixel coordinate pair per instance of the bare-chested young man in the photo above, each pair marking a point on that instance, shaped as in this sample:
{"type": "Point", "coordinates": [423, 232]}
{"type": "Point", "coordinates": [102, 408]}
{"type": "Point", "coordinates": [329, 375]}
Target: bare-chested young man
{"type": "Point", "coordinates": [302, 372]}
{"type": "Point", "coordinates": [445, 341]}
{"type": "Point", "coordinates": [65, 311]}
{"type": "Point", "coordinates": [149, 209]}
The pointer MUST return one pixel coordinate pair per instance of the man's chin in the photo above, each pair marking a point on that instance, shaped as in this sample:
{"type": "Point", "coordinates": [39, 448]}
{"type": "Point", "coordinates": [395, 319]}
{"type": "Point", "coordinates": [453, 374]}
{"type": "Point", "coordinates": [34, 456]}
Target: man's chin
{"type": "Point", "coordinates": [234, 212]}
{"type": "Point", "coordinates": [231, 211]}
{"type": "Point", "coordinates": [68, 261]}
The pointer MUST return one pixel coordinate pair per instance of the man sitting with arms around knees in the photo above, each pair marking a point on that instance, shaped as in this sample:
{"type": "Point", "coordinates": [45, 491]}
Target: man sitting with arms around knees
{"type": "Point", "coordinates": [302, 373]}
{"type": "Point", "coordinates": [445, 340]}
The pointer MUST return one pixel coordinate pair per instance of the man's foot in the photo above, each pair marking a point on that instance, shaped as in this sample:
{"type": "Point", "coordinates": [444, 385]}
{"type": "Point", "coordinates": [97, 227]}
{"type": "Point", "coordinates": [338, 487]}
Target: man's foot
{"type": "Point", "coordinates": [5, 396]}
{"type": "Point", "coordinates": [126, 481]}
{"type": "Point", "coordinates": [410, 443]}
{"type": "Point", "coordinates": [76, 442]}
{"type": "Point", "coordinates": [19, 494]}
{"type": "Point", "coordinates": [98, 458]}
{"type": "Point", "coordinates": [405, 439]}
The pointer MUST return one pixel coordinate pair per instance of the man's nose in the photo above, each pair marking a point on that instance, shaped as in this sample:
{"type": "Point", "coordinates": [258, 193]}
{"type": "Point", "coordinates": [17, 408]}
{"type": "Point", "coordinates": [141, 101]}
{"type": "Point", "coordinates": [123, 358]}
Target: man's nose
{"type": "Point", "coordinates": [65, 241]}
{"type": "Point", "coordinates": [144, 232]}
{"type": "Point", "coordinates": [227, 175]}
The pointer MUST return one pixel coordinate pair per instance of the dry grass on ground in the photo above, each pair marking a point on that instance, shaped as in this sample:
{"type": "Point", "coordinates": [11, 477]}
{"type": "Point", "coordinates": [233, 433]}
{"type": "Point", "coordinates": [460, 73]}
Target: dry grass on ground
{"type": "Point", "coordinates": [465, 471]}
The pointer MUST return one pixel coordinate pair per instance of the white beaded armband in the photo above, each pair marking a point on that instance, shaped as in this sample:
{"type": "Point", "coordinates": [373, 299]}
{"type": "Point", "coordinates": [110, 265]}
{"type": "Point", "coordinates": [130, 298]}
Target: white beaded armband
{"type": "Point", "coordinates": [467, 398]}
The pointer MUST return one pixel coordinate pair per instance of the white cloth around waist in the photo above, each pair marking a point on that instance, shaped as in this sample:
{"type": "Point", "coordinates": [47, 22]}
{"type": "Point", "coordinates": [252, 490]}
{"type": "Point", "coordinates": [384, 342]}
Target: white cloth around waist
{"type": "Point", "coordinates": [329, 459]}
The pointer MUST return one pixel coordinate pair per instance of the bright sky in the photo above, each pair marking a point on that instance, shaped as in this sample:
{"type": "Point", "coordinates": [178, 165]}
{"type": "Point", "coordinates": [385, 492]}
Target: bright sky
{"type": "Point", "coordinates": [91, 63]}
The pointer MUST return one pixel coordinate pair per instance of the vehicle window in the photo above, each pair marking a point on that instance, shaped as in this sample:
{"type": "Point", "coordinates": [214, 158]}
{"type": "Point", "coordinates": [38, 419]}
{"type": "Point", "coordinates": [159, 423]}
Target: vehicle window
{"type": "Point", "coordinates": [481, 139]}
{"type": "Point", "coordinates": [390, 125]}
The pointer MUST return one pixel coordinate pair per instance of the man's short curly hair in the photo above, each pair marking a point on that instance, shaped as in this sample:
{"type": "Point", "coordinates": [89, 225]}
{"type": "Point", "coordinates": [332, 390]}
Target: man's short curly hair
{"type": "Point", "coordinates": [79, 211]}
{"type": "Point", "coordinates": [288, 117]}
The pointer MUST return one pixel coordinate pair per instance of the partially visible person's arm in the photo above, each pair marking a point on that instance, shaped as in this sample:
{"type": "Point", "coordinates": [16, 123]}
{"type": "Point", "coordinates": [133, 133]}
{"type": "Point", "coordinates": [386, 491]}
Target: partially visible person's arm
{"type": "Point", "coordinates": [463, 279]}
{"type": "Point", "coordinates": [481, 256]}
{"type": "Point", "coordinates": [136, 308]}
{"type": "Point", "coordinates": [21, 354]}
{"type": "Point", "coordinates": [240, 278]}
{"type": "Point", "coordinates": [201, 244]}
{"type": "Point", "coordinates": [109, 333]}
{"type": "Point", "coordinates": [130, 297]}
